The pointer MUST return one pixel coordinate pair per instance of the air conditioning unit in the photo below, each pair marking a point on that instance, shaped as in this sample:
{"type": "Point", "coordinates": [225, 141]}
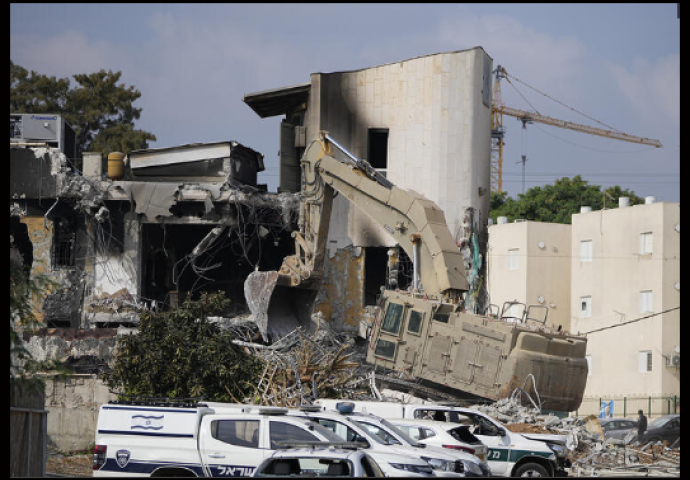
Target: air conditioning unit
{"type": "Point", "coordinates": [51, 130]}
{"type": "Point", "coordinates": [673, 361]}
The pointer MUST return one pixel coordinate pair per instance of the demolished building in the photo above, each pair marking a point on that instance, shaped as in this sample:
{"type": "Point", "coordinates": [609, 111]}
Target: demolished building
{"type": "Point", "coordinates": [188, 218]}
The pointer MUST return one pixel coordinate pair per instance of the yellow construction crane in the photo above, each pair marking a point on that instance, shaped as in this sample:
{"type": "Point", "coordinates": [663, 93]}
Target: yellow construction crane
{"type": "Point", "coordinates": [498, 131]}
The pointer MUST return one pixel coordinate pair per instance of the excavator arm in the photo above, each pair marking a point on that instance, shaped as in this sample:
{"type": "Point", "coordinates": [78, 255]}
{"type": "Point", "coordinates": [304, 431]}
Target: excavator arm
{"type": "Point", "coordinates": [417, 224]}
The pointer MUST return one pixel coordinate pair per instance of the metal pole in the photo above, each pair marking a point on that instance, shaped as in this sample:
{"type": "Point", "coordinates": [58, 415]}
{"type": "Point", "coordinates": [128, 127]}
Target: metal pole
{"type": "Point", "coordinates": [29, 437]}
{"type": "Point", "coordinates": [625, 406]}
{"type": "Point", "coordinates": [44, 442]}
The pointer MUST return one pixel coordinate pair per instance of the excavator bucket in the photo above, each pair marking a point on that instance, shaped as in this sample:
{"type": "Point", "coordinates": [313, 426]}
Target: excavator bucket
{"type": "Point", "coordinates": [277, 309]}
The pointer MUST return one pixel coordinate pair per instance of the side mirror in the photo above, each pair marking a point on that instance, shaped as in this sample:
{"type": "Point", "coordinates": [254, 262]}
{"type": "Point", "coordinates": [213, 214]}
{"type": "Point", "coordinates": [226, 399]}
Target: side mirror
{"type": "Point", "coordinates": [501, 432]}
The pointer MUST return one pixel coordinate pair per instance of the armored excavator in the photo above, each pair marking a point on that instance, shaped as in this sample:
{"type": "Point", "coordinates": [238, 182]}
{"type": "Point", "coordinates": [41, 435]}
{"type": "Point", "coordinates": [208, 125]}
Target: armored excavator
{"type": "Point", "coordinates": [425, 330]}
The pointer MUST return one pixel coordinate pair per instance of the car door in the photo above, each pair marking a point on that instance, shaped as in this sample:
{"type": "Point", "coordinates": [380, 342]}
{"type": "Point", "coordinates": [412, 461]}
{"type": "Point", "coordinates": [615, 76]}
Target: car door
{"type": "Point", "coordinates": [499, 446]}
{"type": "Point", "coordinates": [623, 427]}
{"type": "Point", "coordinates": [499, 452]}
{"type": "Point", "coordinates": [231, 446]}
{"type": "Point", "coordinates": [671, 430]}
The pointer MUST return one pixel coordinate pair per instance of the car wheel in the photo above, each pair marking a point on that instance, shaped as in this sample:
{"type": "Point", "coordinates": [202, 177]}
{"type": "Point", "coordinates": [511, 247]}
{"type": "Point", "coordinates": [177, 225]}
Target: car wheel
{"type": "Point", "coordinates": [531, 470]}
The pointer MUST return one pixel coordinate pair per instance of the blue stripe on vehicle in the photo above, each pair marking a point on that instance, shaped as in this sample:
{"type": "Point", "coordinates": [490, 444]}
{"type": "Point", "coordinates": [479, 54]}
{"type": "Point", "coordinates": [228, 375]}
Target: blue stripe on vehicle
{"type": "Point", "coordinates": [141, 468]}
{"type": "Point", "coordinates": [141, 409]}
{"type": "Point", "coordinates": [147, 468]}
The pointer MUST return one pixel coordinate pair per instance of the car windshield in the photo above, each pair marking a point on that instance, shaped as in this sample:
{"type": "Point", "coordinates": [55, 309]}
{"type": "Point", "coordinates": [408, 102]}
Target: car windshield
{"type": "Point", "coordinates": [328, 434]}
{"type": "Point", "coordinates": [397, 432]}
{"type": "Point", "coordinates": [386, 431]}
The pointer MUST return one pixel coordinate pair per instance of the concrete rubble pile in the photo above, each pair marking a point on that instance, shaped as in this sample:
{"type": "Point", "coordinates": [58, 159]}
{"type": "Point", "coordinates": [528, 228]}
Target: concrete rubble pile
{"type": "Point", "coordinates": [590, 453]}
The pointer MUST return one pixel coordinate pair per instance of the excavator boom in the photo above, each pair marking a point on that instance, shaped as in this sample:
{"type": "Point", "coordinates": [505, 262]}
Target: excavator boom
{"type": "Point", "coordinates": [416, 223]}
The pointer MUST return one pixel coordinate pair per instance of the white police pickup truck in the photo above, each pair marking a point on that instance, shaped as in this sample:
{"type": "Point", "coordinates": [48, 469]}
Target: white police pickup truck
{"type": "Point", "coordinates": [194, 440]}
{"type": "Point", "coordinates": [510, 454]}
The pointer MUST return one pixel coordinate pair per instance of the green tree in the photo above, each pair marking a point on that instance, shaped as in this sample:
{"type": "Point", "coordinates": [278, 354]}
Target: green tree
{"type": "Point", "coordinates": [558, 202]}
{"type": "Point", "coordinates": [181, 354]}
{"type": "Point", "coordinates": [100, 110]}
{"type": "Point", "coordinates": [31, 92]}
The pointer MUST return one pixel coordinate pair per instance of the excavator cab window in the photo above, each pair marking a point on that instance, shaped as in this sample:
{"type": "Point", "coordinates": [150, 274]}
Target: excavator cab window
{"type": "Point", "coordinates": [414, 323]}
{"type": "Point", "coordinates": [442, 314]}
{"type": "Point", "coordinates": [385, 349]}
{"type": "Point", "coordinates": [393, 318]}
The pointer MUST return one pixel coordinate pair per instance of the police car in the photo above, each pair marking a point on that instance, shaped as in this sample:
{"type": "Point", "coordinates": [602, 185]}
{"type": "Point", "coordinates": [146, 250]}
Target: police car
{"type": "Point", "coordinates": [193, 440]}
{"type": "Point", "coordinates": [510, 454]}
{"type": "Point", "coordinates": [201, 439]}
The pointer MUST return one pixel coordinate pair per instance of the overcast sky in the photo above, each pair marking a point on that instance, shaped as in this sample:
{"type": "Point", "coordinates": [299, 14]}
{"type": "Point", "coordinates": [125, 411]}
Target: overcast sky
{"type": "Point", "coordinates": [193, 63]}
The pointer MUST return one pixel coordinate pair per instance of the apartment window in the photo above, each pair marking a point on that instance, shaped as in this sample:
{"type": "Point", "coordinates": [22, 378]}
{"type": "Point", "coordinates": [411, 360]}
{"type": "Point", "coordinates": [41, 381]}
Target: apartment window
{"type": "Point", "coordinates": [646, 301]}
{"type": "Point", "coordinates": [585, 307]}
{"type": "Point", "coordinates": [377, 154]}
{"type": "Point", "coordinates": [646, 243]}
{"type": "Point", "coordinates": [645, 361]}
{"type": "Point", "coordinates": [513, 259]}
{"type": "Point", "coordinates": [586, 251]}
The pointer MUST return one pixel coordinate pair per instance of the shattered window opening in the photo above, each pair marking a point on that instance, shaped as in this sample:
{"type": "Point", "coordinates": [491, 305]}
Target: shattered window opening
{"type": "Point", "coordinates": [64, 238]}
{"type": "Point", "coordinates": [378, 149]}
{"type": "Point", "coordinates": [174, 267]}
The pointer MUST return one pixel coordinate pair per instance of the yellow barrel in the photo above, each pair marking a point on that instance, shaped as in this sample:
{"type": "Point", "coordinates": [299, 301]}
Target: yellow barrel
{"type": "Point", "coordinates": [116, 165]}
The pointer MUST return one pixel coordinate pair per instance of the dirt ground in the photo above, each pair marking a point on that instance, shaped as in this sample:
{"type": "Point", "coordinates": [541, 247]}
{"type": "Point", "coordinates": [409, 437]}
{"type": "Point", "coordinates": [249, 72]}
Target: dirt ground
{"type": "Point", "coordinates": [72, 465]}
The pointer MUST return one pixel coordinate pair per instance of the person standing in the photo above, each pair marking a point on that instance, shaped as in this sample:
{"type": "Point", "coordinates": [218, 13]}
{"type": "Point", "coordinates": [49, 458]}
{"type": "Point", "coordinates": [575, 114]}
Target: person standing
{"type": "Point", "coordinates": [641, 425]}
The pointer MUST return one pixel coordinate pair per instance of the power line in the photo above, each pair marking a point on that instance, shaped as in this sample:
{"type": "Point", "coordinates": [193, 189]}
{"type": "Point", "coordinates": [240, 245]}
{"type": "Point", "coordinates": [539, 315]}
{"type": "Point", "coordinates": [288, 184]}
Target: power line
{"type": "Point", "coordinates": [561, 103]}
{"type": "Point", "coordinates": [608, 182]}
{"type": "Point", "coordinates": [632, 321]}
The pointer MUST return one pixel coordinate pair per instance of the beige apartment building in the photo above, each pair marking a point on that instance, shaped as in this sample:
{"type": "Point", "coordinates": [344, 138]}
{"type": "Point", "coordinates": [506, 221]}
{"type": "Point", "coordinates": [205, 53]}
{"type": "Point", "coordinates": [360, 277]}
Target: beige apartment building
{"type": "Point", "coordinates": [625, 294]}
{"type": "Point", "coordinates": [529, 263]}
{"type": "Point", "coordinates": [613, 275]}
